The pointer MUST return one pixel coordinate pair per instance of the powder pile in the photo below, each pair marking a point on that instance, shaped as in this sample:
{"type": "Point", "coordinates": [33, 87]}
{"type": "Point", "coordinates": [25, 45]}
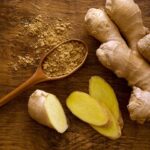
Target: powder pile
{"type": "Point", "coordinates": [43, 35]}
{"type": "Point", "coordinates": [64, 59]}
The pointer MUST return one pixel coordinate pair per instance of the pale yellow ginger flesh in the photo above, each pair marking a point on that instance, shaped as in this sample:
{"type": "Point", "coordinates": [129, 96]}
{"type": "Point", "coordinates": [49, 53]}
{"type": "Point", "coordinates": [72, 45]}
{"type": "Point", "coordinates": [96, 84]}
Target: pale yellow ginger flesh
{"type": "Point", "coordinates": [46, 109]}
{"type": "Point", "coordinates": [103, 93]}
{"type": "Point", "coordinates": [87, 108]}
{"type": "Point", "coordinates": [115, 54]}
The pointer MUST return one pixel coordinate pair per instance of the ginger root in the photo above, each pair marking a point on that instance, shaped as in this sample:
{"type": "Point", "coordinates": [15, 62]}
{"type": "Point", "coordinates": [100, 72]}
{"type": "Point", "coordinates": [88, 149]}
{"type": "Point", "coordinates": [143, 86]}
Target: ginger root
{"type": "Point", "coordinates": [130, 25]}
{"type": "Point", "coordinates": [126, 14]}
{"type": "Point", "coordinates": [103, 93]}
{"type": "Point", "coordinates": [87, 109]}
{"type": "Point", "coordinates": [117, 56]}
{"type": "Point", "coordinates": [46, 109]}
{"type": "Point", "coordinates": [144, 47]}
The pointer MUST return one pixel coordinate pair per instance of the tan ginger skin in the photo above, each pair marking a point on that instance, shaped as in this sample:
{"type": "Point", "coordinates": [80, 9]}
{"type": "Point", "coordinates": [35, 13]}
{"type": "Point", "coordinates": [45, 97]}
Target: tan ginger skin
{"type": "Point", "coordinates": [126, 61]}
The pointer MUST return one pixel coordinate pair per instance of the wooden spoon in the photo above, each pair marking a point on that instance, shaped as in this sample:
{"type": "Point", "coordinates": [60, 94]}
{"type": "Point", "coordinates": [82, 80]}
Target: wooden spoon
{"type": "Point", "coordinates": [40, 76]}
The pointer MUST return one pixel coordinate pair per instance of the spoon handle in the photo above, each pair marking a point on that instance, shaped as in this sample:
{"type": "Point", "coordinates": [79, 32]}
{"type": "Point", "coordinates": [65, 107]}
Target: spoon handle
{"type": "Point", "coordinates": [35, 78]}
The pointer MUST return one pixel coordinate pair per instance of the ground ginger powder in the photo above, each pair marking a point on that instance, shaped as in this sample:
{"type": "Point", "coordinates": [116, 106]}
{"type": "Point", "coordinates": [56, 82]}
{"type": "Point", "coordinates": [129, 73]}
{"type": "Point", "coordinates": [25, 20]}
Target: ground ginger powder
{"type": "Point", "coordinates": [64, 59]}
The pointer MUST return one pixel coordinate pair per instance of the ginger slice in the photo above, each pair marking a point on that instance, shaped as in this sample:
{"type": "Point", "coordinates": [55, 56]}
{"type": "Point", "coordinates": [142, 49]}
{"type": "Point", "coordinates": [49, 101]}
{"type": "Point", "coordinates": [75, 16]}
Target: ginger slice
{"type": "Point", "coordinates": [103, 93]}
{"type": "Point", "coordinates": [87, 108]}
{"type": "Point", "coordinates": [46, 109]}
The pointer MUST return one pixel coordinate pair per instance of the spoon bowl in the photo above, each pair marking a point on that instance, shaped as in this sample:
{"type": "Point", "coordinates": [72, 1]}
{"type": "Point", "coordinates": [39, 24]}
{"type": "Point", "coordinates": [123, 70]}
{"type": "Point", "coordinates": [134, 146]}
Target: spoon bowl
{"type": "Point", "coordinates": [41, 76]}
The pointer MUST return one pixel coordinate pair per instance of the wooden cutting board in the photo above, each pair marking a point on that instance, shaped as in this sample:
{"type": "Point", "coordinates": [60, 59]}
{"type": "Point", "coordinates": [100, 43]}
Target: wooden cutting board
{"type": "Point", "coordinates": [17, 130]}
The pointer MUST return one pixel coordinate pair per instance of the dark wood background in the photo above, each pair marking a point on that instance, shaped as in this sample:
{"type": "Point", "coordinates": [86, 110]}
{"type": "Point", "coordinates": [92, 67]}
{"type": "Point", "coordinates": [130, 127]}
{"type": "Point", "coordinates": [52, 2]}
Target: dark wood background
{"type": "Point", "coordinates": [17, 130]}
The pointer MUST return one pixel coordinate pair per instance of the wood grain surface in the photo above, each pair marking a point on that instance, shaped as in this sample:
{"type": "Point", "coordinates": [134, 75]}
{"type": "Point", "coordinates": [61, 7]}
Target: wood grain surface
{"type": "Point", "coordinates": [17, 130]}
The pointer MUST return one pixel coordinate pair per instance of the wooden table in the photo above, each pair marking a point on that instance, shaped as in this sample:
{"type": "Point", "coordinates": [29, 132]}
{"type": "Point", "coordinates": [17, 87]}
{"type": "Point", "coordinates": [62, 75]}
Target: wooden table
{"type": "Point", "coordinates": [17, 130]}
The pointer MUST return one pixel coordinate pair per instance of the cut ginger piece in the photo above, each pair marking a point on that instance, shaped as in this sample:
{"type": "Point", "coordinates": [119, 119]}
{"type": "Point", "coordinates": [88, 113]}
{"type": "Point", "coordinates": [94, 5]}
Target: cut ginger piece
{"type": "Point", "coordinates": [87, 108]}
{"type": "Point", "coordinates": [46, 109]}
{"type": "Point", "coordinates": [103, 92]}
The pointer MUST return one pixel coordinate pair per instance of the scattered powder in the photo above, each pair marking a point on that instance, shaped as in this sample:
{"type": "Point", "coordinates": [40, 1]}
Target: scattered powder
{"type": "Point", "coordinates": [44, 36]}
{"type": "Point", "coordinates": [22, 61]}
{"type": "Point", "coordinates": [64, 59]}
